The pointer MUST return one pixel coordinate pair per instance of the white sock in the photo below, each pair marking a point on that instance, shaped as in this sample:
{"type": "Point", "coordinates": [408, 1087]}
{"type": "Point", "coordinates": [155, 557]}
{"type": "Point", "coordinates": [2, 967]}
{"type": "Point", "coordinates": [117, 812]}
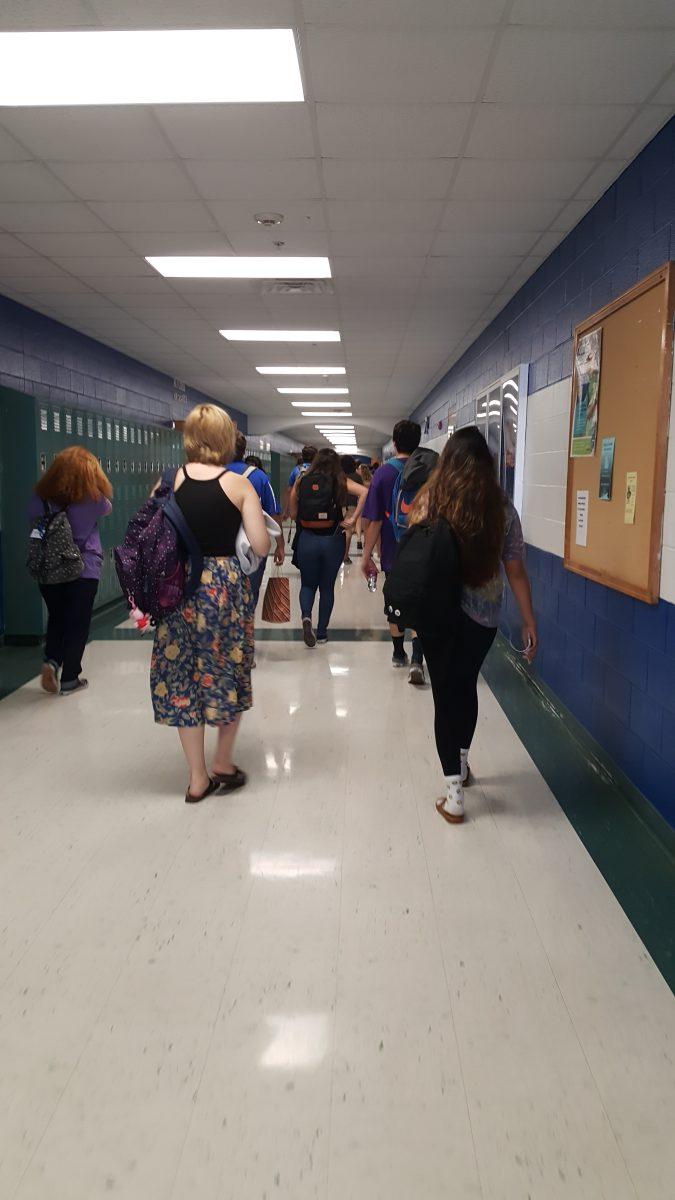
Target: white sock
{"type": "Point", "coordinates": [464, 759]}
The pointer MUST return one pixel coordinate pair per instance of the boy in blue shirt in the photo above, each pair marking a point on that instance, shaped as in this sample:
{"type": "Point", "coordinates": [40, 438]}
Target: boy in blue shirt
{"type": "Point", "coordinates": [258, 479]}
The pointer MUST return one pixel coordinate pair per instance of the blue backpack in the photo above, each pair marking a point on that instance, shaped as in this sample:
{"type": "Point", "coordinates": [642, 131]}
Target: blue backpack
{"type": "Point", "coordinates": [413, 473]}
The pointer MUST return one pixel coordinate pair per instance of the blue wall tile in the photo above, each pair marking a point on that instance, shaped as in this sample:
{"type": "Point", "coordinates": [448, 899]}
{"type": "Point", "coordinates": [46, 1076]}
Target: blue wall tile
{"type": "Point", "coordinates": [646, 718]}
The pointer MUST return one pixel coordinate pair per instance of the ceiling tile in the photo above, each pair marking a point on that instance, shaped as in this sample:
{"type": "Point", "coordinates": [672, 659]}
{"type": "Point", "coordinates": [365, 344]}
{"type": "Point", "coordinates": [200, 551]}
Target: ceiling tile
{"type": "Point", "coordinates": [401, 14]}
{"type": "Point", "coordinates": [475, 271]}
{"type": "Point", "coordinates": [538, 66]}
{"type": "Point", "coordinates": [45, 14]}
{"type": "Point", "coordinates": [151, 242]}
{"type": "Point", "coordinates": [24, 268]}
{"type": "Point", "coordinates": [77, 244]}
{"type": "Point", "coordinates": [102, 265]}
{"type": "Point", "coordinates": [391, 131]}
{"type": "Point", "coordinates": [419, 179]}
{"type": "Point", "coordinates": [499, 216]}
{"type": "Point", "coordinates": [96, 133]}
{"type": "Point", "coordinates": [483, 244]}
{"type": "Point", "coordinates": [387, 216]}
{"type": "Point", "coordinates": [204, 14]}
{"type": "Point", "coordinates": [261, 241]}
{"type": "Point", "coordinates": [298, 215]}
{"type": "Point", "coordinates": [601, 14]}
{"type": "Point", "coordinates": [11, 247]}
{"type": "Point", "coordinates": [237, 131]}
{"type": "Point", "coordinates": [544, 132]}
{"type": "Point", "coordinates": [382, 244]}
{"type": "Point", "coordinates": [293, 179]}
{"type": "Point", "coordinates": [47, 218]}
{"type": "Point", "coordinates": [418, 67]}
{"type": "Point", "coordinates": [599, 180]}
{"type": "Point", "coordinates": [31, 182]}
{"type": "Point", "coordinates": [640, 131]}
{"type": "Point", "coordinates": [181, 216]}
{"type": "Point", "coordinates": [570, 214]}
{"type": "Point", "coordinates": [382, 267]}
{"type": "Point", "coordinates": [126, 181]}
{"type": "Point", "coordinates": [666, 93]}
{"type": "Point", "coordinates": [478, 178]}
{"type": "Point", "coordinates": [10, 150]}
{"type": "Point", "coordinates": [53, 286]}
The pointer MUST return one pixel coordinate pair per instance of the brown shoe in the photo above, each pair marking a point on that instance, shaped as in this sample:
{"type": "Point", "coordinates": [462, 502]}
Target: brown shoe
{"type": "Point", "coordinates": [48, 679]}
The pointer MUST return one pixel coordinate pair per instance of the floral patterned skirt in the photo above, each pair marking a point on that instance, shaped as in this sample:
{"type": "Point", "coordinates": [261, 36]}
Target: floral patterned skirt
{"type": "Point", "coordinates": [203, 653]}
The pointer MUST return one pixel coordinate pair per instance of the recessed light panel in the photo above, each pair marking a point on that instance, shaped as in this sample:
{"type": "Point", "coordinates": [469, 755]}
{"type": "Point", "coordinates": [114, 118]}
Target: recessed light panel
{"type": "Point", "coordinates": [327, 391]}
{"type": "Point", "coordinates": [157, 66]}
{"type": "Point", "coordinates": [312, 413]}
{"type": "Point", "coordinates": [322, 403]}
{"type": "Point", "coordinates": [215, 266]}
{"type": "Point", "coordinates": [301, 370]}
{"type": "Point", "coordinates": [281, 335]}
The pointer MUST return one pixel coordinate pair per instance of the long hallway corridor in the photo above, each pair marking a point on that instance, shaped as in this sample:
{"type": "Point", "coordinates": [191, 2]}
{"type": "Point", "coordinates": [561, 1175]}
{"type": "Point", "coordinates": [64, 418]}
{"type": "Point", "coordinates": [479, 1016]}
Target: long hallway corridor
{"type": "Point", "coordinates": [314, 987]}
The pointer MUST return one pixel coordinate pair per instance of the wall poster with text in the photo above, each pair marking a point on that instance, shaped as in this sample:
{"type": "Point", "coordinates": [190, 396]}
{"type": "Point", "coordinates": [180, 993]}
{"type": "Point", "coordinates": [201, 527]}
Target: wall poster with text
{"type": "Point", "coordinates": [587, 388]}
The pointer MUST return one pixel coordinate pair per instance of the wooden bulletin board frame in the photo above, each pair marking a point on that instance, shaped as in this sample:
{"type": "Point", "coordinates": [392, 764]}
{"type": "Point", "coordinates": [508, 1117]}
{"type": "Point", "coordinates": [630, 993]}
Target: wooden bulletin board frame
{"type": "Point", "coordinates": [634, 407]}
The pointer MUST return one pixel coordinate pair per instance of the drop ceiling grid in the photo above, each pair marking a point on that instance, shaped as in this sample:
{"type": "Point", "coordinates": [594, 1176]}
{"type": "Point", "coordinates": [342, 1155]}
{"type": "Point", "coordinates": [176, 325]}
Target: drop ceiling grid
{"type": "Point", "coordinates": [378, 158]}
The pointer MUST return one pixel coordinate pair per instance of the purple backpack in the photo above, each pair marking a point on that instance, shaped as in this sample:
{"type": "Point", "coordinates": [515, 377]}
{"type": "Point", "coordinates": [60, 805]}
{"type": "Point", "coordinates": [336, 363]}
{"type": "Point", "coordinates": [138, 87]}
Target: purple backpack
{"type": "Point", "coordinates": [151, 563]}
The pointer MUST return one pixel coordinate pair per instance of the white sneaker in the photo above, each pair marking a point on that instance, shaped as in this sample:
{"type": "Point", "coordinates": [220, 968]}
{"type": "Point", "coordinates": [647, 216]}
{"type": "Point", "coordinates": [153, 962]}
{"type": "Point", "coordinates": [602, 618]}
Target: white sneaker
{"type": "Point", "coordinates": [451, 807]}
{"type": "Point", "coordinates": [465, 768]}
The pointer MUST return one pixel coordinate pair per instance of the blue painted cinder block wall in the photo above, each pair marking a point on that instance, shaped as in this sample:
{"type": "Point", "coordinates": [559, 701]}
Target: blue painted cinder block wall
{"type": "Point", "coordinates": [48, 360]}
{"type": "Point", "coordinates": [609, 658]}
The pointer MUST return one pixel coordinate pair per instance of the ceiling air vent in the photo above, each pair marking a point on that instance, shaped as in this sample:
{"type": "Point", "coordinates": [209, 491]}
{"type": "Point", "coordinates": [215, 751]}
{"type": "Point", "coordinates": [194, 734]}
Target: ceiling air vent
{"type": "Point", "coordinates": [297, 287]}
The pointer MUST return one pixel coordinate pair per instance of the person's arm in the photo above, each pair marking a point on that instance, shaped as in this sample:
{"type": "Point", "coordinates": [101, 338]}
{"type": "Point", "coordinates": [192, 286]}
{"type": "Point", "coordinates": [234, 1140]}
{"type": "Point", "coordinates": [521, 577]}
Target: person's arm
{"type": "Point", "coordinates": [369, 543]}
{"type": "Point", "coordinates": [361, 493]}
{"type": "Point", "coordinates": [519, 582]}
{"type": "Point", "coordinates": [293, 501]}
{"type": "Point", "coordinates": [270, 506]}
{"type": "Point", "coordinates": [253, 520]}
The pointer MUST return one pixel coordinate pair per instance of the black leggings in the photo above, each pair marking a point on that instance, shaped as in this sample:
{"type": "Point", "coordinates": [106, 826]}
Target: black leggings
{"type": "Point", "coordinates": [69, 606]}
{"type": "Point", "coordinates": [454, 664]}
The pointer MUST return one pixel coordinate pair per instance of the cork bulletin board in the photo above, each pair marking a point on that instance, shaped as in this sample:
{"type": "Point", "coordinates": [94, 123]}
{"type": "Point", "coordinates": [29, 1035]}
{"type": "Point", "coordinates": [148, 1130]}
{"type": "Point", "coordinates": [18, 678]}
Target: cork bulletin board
{"type": "Point", "coordinates": [616, 539]}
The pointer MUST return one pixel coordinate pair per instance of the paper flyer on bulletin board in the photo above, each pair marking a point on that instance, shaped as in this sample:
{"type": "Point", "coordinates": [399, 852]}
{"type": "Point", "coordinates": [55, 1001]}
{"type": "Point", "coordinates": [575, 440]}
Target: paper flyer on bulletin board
{"type": "Point", "coordinates": [587, 383]}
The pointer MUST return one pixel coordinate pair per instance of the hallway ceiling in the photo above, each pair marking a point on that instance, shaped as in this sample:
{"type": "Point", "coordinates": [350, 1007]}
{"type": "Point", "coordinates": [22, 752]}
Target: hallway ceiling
{"type": "Point", "coordinates": [444, 149]}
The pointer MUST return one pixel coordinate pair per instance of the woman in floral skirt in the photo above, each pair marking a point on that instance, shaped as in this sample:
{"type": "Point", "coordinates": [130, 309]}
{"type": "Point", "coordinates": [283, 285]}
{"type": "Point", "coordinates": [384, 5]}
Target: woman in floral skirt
{"type": "Point", "coordinates": [202, 656]}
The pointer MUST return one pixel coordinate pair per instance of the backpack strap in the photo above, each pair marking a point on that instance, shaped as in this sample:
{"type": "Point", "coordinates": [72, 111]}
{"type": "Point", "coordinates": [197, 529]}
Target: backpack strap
{"type": "Point", "coordinates": [249, 471]}
{"type": "Point", "coordinates": [174, 514]}
{"type": "Point", "coordinates": [168, 477]}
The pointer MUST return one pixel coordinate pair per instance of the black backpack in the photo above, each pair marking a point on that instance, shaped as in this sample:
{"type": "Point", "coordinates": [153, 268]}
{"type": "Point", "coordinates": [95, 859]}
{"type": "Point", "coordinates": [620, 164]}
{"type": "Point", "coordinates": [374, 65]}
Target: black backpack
{"type": "Point", "coordinates": [318, 508]}
{"type": "Point", "coordinates": [423, 588]}
{"type": "Point", "coordinates": [53, 556]}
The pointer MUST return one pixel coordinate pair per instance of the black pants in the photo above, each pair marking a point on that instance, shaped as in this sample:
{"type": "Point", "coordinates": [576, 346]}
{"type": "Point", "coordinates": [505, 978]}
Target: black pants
{"type": "Point", "coordinates": [69, 607]}
{"type": "Point", "coordinates": [454, 665]}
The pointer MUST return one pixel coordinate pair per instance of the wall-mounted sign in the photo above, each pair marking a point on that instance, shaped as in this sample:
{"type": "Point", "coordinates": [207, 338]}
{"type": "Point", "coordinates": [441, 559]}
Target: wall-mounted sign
{"type": "Point", "coordinates": [606, 468]}
{"type": "Point", "coordinates": [631, 498]}
{"type": "Point", "coordinates": [582, 518]}
{"type": "Point", "coordinates": [587, 385]}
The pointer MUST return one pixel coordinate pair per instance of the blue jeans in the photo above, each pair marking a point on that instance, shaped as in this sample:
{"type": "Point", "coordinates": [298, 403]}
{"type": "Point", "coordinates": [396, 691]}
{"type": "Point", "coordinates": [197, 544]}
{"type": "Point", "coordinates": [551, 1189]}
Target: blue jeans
{"type": "Point", "coordinates": [319, 557]}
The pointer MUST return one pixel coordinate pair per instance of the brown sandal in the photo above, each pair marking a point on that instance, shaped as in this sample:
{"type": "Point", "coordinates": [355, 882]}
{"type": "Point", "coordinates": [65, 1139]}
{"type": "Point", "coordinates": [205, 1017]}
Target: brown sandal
{"type": "Point", "coordinates": [452, 820]}
{"type": "Point", "coordinates": [213, 787]}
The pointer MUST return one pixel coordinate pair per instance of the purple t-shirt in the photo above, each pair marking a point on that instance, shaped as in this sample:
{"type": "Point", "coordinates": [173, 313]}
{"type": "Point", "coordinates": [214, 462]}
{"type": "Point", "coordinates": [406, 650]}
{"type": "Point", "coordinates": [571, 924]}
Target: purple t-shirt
{"type": "Point", "coordinates": [83, 519]}
{"type": "Point", "coordinates": [378, 507]}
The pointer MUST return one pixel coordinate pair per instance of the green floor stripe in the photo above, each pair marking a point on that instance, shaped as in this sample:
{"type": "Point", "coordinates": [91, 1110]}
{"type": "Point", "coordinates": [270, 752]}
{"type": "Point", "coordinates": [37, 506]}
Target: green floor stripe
{"type": "Point", "coordinates": [626, 838]}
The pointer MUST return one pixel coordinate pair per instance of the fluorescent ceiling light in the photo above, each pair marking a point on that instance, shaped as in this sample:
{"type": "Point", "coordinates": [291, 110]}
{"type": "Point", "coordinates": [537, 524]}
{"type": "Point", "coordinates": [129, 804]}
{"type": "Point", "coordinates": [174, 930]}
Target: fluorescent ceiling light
{"type": "Point", "coordinates": [312, 413]}
{"type": "Point", "coordinates": [153, 66]}
{"type": "Point", "coordinates": [322, 404]}
{"type": "Point", "coordinates": [281, 335]}
{"type": "Point", "coordinates": [324, 391]}
{"type": "Point", "coordinates": [301, 370]}
{"type": "Point", "coordinates": [223, 266]}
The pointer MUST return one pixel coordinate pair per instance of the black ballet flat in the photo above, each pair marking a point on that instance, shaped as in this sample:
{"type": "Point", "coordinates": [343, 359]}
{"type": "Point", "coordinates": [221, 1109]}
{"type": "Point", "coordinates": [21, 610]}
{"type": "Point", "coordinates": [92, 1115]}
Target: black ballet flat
{"type": "Point", "coordinates": [230, 783]}
{"type": "Point", "coordinates": [213, 787]}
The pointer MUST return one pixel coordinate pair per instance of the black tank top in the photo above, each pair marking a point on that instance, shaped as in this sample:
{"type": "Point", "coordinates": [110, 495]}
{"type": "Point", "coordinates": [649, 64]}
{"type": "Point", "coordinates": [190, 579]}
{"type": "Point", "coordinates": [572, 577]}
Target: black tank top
{"type": "Point", "coordinates": [211, 515]}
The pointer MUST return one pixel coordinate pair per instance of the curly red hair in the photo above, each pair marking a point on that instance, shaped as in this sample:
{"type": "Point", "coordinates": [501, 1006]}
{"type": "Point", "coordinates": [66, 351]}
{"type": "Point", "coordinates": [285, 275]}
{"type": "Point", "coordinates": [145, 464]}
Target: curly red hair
{"type": "Point", "coordinates": [75, 475]}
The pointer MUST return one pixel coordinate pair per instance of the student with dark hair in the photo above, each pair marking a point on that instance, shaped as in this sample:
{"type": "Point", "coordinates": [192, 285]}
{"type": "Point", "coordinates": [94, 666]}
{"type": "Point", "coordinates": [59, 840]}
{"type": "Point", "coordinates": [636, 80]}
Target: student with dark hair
{"type": "Point", "coordinates": [252, 460]}
{"type": "Point", "coordinates": [464, 491]}
{"type": "Point", "coordinates": [305, 460]}
{"type": "Point", "coordinates": [377, 512]}
{"type": "Point", "coordinates": [348, 465]}
{"type": "Point", "coordinates": [318, 502]}
{"type": "Point", "coordinates": [257, 477]}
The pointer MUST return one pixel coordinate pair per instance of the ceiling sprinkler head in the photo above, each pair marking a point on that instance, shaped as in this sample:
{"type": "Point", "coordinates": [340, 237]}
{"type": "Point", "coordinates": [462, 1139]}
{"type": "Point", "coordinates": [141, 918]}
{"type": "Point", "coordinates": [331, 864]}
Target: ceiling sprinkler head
{"type": "Point", "coordinates": [268, 219]}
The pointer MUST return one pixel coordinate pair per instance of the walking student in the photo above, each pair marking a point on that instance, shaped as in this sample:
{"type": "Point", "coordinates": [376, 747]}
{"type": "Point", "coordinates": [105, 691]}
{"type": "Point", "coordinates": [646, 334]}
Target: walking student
{"type": "Point", "coordinates": [302, 465]}
{"type": "Point", "coordinates": [75, 485]}
{"type": "Point", "coordinates": [265, 492]}
{"type": "Point", "coordinates": [465, 492]}
{"type": "Point", "coordinates": [348, 465]}
{"type": "Point", "coordinates": [317, 503]}
{"type": "Point", "coordinates": [202, 656]}
{"type": "Point", "coordinates": [377, 512]}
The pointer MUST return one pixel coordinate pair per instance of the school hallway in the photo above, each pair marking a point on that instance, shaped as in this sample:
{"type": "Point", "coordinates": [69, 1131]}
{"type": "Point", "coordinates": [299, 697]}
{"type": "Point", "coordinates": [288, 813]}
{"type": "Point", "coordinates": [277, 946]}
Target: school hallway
{"type": "Point", "coordinates": [315, 987]}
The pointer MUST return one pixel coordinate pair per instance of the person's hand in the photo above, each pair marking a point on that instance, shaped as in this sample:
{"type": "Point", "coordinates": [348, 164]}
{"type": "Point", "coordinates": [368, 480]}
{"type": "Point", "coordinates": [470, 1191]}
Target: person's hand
{"type": "Point", "coordinates": [530, 642]}
{"type": "Point", "coordinates": [368, 567]}
{"type": "Point", "coordinates": [349, 525]}
{"type": "Point", "coordinates": [280, 553]}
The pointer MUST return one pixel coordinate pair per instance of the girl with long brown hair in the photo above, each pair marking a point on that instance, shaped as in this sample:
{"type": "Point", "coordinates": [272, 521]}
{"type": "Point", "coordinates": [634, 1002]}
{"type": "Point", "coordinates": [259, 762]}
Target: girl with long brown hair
{"type": "Point", "coordinates": [318, 502]}
{"type": "Point", "coordinates": [464, 491]}
{"type": "Point", "coordinates": [75, 484]}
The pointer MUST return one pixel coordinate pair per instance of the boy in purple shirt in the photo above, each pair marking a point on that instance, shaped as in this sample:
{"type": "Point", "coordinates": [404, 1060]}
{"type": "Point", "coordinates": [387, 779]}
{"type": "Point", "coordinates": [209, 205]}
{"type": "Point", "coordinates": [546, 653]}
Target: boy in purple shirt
{"type": "Point", "coordinates": [377, 511]}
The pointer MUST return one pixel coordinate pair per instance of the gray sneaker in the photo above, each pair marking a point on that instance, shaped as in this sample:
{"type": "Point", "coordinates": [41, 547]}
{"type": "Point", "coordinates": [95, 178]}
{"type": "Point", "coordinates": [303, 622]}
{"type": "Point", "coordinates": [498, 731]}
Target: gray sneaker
{"type": "Point", "coordinates": [399, 660]}
{"type": "Point", "coordinates": [416, 675]}
{"type": "Point", "coordinates": [308, 633]}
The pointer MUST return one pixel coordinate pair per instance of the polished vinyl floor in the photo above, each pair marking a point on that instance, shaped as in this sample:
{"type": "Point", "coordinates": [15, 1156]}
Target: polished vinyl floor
{"type": "Point", "coordinates": [314, 988]}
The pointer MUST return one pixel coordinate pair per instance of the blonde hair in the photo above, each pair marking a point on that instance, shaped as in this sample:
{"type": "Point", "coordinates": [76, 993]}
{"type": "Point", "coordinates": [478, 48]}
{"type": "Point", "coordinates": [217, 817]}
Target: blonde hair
{"type": "Point", "coordinates": [209, 435]}
{"type": "Point", "coordinates": [74, 476]}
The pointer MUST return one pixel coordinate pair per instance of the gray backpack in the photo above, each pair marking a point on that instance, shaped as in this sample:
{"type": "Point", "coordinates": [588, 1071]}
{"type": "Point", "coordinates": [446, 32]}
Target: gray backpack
{"type": "Point", "coordinates": [53, 556]}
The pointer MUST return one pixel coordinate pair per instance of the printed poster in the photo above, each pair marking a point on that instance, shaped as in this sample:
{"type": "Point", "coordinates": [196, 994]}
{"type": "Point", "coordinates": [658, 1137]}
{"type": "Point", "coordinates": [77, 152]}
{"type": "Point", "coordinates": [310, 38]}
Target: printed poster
{"type": "Point", "coordinates": [587, 383]}
{"type": "Point", "coordinates": [582, 518]}
{"type": "Point", "coordinates": [606, 468]}
{"type": "Point", "coordinates": [631, 497]}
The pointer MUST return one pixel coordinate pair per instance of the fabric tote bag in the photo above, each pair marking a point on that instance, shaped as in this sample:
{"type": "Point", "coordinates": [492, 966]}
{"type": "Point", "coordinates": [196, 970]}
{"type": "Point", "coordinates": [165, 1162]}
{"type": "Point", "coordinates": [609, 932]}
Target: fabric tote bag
{"type": "Point", "coordinates": [277, 602]}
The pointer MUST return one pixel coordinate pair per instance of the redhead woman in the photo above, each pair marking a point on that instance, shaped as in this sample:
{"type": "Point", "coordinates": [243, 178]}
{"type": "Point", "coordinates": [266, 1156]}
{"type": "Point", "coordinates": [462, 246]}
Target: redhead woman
{"type": "Point", "coordinates": [75, 484]}
{"type": "Point", "coordinates": [464, 490]}
{"type": "Point", "coordinates": [203, 653]}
